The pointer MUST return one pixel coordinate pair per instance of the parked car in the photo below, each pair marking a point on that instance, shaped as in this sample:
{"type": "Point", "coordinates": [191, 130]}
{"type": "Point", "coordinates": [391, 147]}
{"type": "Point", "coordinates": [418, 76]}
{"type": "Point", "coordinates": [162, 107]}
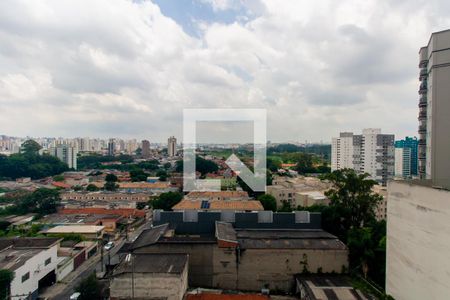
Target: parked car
{"type": "Point", "coordinates": [74, 296]}
{"type": "Point", "coordinates": [109, 246]}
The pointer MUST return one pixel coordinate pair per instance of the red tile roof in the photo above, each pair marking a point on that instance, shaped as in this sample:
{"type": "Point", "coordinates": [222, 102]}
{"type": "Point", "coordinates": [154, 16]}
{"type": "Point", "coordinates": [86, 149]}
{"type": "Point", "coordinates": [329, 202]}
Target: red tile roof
{"type": "Point", "coordinates": [126, 212]}
{"type": "Point", "coordinates": [240, 205]}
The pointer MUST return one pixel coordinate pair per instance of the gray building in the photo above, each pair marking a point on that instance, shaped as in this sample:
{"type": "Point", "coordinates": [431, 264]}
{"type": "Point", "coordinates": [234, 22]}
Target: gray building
{"type": "Point", "coordinates": [65, 153]}
{"type": "Point", "coordinates": [434, 109]}
{"type": "Point", "coordinates": [111, 147]}
{"type": "Point", "coordinates": [145, 149]}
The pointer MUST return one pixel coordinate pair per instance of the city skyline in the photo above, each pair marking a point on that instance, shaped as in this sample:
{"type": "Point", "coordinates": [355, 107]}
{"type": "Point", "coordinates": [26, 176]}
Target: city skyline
{"type": "Point", "coordinates": [318, 69]}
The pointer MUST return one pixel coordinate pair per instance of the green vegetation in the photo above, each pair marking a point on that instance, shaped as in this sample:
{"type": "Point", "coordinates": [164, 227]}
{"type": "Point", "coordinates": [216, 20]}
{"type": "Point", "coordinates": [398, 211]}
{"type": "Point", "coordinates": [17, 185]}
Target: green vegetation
{"type": "Point", "coordinates": [89, 288]}
{"type": "Point", "coordinates": [138, 175]}
{"type": "Point", "coordinates": [204, 166]}
{"type": "Point", "coordinates": [165, 201]}
{"type": "Point", "coordinates": [6, 276]}
{"type": "Point", "coordinates": [29, 163]}
{"type": "Point", "coordinates": [58, 178]}
{"type": "Point", "coordinates": [351, 217]}
{"type": "Point", "coordinates": [95, 161]}
{"type": "Point", "coordinates": [110, 184]}
{"type": "Point", "coordinates": [268, 202]}
{"type": "Point", "coordinates": [41, 201]}
{"type": "Point", "coordinates": [92, 188]}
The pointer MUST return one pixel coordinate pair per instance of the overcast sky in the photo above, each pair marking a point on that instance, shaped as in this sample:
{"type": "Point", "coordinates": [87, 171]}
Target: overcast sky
{"type": "Point", "coordinates": [128, 68]}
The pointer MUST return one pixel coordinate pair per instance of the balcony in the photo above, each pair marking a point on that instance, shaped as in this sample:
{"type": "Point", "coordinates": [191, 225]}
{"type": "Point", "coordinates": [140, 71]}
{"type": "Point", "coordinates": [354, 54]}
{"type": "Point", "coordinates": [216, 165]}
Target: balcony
{"type": "Point", "coordinates": [423, 63]}
{"type": "Point", "coordinates": [422, 142]}
{"type": "Point", "coordinates": [422, 115]}
{"type": "Point", "coordinates": [422, 156]}
{"type": "Point", "coordinates": [423, 101]}
{"type": "Point", "coordinates": [423, 73]}
{"type": "Point", "coordinates": [422, 129]}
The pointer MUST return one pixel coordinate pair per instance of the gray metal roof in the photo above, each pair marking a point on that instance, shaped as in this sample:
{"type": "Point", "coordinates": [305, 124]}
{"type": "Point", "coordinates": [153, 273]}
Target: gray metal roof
{"type": "Point", "coordinates": [152, 263]}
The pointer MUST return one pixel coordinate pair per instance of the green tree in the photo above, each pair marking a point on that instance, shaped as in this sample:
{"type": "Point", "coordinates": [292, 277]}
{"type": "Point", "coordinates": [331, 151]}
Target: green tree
{"type": "Point", "coordinates": [361, 248]}
{"type": "Point", "coordinates": [30, 147]}
{"type": "Point", "coordinates": [89, 288]}
{"type": "Point", "coordinates": [268, 202]}
{"type": "Point", "coordinates": [167, 200]}
{"type": "Point", "coordinates": [162, 174]}
{"type": "Point", "coordinates": [92, 188]}
{"type": "Point", "coordinates": [110, 186]}
{"type": "Point", "coordinates": [6, 276]}
{"type": "Point", "coordinates": [138, 175]}
{"type": "Point", "coordinates": [111, 178]}
{"type": "Point", "coordinates": [352, 197]}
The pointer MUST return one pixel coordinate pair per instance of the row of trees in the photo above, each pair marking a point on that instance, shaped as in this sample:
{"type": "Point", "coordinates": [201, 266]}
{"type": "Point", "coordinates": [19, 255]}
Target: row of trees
{"type": "Point", "coordinates": [42, 201]}
{"type": "Point", "coordinates": [28, 163]}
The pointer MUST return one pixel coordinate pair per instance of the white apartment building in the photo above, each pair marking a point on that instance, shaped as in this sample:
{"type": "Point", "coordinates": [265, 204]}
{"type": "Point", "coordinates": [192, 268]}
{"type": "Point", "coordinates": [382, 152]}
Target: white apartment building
{"type": "Point", "coordinates": [33, 261]}
{"type": "Point", "coordinates": [172, 146]}
{"type": "Point", "coordinates": [371, 152]}
{"type": "Point", "coordinates": [65, 153]}
{"type": "Point", "coordinates": [402, 162]}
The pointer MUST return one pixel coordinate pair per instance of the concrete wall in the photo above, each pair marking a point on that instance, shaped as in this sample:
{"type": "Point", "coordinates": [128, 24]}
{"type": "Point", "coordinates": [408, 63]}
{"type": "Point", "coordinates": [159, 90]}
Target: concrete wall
{"type": "Point", "coordinates": [418, 243]}
{"type": "Point", "coordinates": [149, 286]}
{"type": "Point", "coordinates": [211, 266]}
{"type": "Point", "coordinates": [37, 269]}
{"type": "Point", "coordinates": [274, 268]}
{"type": "Point", "coordinates": [200, 260]}
{"type": "Point", "coordinates": [64, 268]}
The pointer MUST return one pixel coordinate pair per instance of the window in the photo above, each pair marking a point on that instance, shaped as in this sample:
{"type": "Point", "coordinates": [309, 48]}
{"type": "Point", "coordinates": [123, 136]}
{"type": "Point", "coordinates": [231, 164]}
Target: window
{"type": "Point", "coordinates": [26, 276]}
{"type": "Point", "coordinates": [48, 261]}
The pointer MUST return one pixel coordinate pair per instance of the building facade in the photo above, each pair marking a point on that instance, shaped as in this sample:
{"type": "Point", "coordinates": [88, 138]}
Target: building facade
{"type": "Point", "coordinates": [111, 147]}
{"type": "Point", "coordinates": [65, 153]}
{"type": "Point", "coordinates": [172, 146]}
{"type": "Point", "coordinates": [371, 152]}
{"type": "Point", "coordinates": [412, 164]}
{"type": "Point", "coordinates": [145, 149]}
{"type": "Point", "coordinates": [403, 162]}
{"type": "Point", "coordinates": [434, 108]}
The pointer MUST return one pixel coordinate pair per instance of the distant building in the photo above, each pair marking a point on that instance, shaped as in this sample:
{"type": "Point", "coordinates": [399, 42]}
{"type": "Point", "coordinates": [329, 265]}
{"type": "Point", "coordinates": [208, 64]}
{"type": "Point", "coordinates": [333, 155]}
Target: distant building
{"type": "Point", "coordinates": [172, 146]}
{"type": "Point", "coordinates": [66, 154]}
{"type": "Point", "coordinates": [111, 147]}
{"type": "Point", "coordinates": [33, 262]}
{"type": "Point", "coordinates": [145, 149]}
{"type": "Point", "coordinates": [155, 276]}
{"type": "Point", "coordinates": [371, 152]}
{"type": "Point", "coordinates": [406, 159]}
{"type": "Point", "coordinates": [403, 162]}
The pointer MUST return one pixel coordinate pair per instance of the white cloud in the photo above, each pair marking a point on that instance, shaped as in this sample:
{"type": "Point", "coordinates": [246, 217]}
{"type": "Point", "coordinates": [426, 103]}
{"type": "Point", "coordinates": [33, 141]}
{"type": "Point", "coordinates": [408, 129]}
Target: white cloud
{"type": "Point", "coordinates": [122, 68]}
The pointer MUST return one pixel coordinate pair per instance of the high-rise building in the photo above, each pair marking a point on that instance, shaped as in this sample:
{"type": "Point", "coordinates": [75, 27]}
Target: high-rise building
{"type": "Point", "coordinates": [145, 149]}
{"type": "Point", "coordinates": [172, 146]}
{"type": "Point", "coordinates": [111, 147]}
{"type": "Point", "coordinates": [371, 152]}
{"type": "Point", "coordinates": [418, 221]}
{"type": "Point", "coordinates": [406, 159]}
{"type": "Point", "coordinates": [403, 163]}
{"type": "Point", "coordinates": [65, 153]}
{"type": "Point", "coordinates": [434, 108]}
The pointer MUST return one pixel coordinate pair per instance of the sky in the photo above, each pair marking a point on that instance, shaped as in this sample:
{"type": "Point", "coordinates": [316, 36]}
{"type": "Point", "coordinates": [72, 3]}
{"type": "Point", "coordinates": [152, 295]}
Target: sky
{"type": "Point", "coordinates": [118, 68]}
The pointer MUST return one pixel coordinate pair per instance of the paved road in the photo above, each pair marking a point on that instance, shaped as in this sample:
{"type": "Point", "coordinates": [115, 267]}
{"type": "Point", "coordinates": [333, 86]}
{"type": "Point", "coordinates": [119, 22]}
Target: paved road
{"type": "Point", "coordinates": [68, 289]}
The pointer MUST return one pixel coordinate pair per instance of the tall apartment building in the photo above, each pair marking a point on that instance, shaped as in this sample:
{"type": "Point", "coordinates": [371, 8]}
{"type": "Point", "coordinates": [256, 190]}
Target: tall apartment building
{"type": "Point", "coordinates": [402, 163]}
{"type": "Point", "coordinates": [172, 146]}
{"type": "Point", "coordinates": [418, 222]}
{"type": "Point", "coordinates": [111, 147]}
{"type": "Point", "coordinates": [65, 153]}
{"type": "Point", "coordinates": [434, 107]}
{"type": "Point", "coordinates": [145, 149]}
{"type": "Point", "coordinates": [371, 152]}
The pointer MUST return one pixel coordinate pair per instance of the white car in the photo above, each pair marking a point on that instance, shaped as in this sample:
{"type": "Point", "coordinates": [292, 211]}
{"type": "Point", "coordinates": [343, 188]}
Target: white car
{"type": "Point", "coordinates": [74, 296]}
{"type": "Point", "coordinates": [109, 246]}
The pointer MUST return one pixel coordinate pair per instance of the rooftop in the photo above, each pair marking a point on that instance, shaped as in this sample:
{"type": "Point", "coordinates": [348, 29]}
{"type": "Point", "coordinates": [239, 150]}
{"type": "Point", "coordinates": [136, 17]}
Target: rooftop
{"type": "Point", "coordinates": [152, 263]}
{"type": "Point", "coordinates": [75, 229]}
{"type": "Point", "coordinates": [323, 287]}
{"type": "Point", "coordinates": [215, 194]}
{"type": "Point", "coordinates": [215, 296]}
{"type": "Point", "coordinates": [237, 205]}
